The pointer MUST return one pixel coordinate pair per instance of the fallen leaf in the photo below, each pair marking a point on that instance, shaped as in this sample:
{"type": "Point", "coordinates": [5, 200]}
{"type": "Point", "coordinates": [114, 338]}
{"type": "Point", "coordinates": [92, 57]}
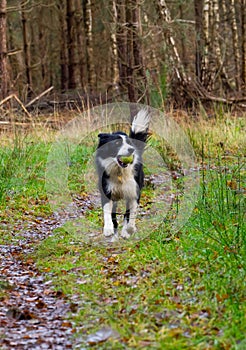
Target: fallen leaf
{"type": "Point", "coordinates": [222, 297]}
{"type": "Point", "coordinates": [66, 324]}
{"type": "Point", "coordinates": [232, 184]}
{"type": "Point", "coordinates": [20, 314]}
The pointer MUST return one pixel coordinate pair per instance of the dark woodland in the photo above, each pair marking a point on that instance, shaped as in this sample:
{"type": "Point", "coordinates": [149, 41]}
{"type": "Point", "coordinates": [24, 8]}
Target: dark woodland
{"type": "Point", "coordinates": [182, 51]}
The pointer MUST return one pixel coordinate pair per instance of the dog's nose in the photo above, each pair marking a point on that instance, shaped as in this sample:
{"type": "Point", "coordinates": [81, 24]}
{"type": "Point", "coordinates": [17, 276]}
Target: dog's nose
{"type": "Point", "coordinates": [130, 150]}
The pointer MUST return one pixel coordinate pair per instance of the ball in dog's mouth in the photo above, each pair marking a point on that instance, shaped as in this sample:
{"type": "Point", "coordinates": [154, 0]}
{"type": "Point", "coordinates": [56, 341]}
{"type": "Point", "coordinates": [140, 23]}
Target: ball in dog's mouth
{"type": "Point", "coordinates": [125, 160]}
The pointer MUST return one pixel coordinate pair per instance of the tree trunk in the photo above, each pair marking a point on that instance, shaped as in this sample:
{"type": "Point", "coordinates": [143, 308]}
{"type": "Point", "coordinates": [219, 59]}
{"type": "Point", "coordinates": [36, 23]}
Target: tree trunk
{"type": "Point", "coordinates": [26, 48]}
{"type": "Point", "coordinates": [198, 5]}
{"type": "Point", "coordinates": [130, 54]}
{"type": "Point", "coordinates": [139, 68]}
{"type": "Point", "coordinates": [121, 40]}
{"type": "Point", "coordinates": [71, 42]}
{"type": "Point", "coordinates": [114, 54]}
{"type": "Point", "coordinates": [13, 63]}
{"type": "Point", "coordinates": [80, 43]}
{"type": "Point", "coordinates": [89, 43]}
{"type": "Point", "coordinates": [243, 25]}
{"type": "Point", "coordinates": [63, 46]}
{"type": "Point", "coordinates": [42, 48]}
{"type": "Point", "coordinates": [183, 39]}
{"type": "Point", "coordinates": [164, 15]}
{"type": "Point", "coordinates": [216, 43]}
{"type": "Point", "coordinates": [3, 51]}
{"type": "Point", "coordinates": [205, 59]}
{"type": "Point", "coordinates": [235, 41]}
{"type": "Point", "coordinates": [131, 86]}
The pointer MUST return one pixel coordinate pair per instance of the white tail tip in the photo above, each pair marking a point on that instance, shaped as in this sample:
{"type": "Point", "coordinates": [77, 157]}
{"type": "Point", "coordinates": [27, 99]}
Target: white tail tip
{"type": "Point", "coordinates": [141, 121]}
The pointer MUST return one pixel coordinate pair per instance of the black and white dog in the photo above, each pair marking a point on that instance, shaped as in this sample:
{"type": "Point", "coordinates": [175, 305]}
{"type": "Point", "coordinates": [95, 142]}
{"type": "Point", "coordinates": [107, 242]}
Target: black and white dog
{"type": "Point", "coordinates": [120, 173]}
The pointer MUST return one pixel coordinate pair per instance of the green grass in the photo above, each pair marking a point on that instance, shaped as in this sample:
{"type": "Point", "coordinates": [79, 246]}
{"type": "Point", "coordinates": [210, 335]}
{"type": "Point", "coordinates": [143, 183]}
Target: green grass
{"type": "Point", "coordinates": [78, 162]}
{"type": "Point", "coordinates": [22, 183]}
{"type": "Point", "coordinates": [4, 288]}
{"type": "Point", "coordinates": [184, 292]}
{"type": "Point", "coordinates": [220, 134]}
{"type": "Point", "coordinates": [180, 294]}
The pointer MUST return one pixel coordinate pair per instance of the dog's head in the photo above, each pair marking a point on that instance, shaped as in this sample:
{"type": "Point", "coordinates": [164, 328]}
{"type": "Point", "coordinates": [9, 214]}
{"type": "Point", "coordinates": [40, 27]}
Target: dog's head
{"type": "Point", "coordinates": [118, 147]}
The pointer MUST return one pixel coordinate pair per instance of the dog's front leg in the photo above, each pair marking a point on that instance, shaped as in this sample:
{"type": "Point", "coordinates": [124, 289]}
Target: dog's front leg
{"type": "Point", "coordinates": [129, 226]}
{"type": "Point", "coordinates": [108, 228]}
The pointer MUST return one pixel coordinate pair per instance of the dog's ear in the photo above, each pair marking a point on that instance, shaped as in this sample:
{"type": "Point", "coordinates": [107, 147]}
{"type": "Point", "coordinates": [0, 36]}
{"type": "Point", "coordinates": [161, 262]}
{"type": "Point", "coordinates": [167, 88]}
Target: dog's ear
{"type": "Point", "coordinates": [103, 138]}
{"type": "Point", "coordinates": [102, 135]}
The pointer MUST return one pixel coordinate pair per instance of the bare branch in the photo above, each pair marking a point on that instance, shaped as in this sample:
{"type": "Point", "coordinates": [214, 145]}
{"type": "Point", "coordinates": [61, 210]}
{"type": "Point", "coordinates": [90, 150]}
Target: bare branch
{"type": "Point", "coordinates": [39, 96]}
{"type": "Point", "coordinates": [18, 101]}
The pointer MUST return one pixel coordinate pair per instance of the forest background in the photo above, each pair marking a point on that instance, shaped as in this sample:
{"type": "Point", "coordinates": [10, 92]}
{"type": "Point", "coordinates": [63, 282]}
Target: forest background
{"type": "Point", "coordinates": [131, 50]}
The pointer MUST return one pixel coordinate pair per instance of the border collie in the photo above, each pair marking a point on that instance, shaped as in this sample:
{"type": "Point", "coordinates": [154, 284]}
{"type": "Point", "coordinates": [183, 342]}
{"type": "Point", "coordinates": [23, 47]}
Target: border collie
{"type": "Point", "coordinates": [120, 173]}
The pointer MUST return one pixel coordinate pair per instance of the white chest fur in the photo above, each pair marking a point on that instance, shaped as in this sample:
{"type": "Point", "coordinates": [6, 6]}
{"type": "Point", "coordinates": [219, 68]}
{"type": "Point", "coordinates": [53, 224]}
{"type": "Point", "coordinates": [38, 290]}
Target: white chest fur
{"type": "Point", "coordinates": [122, 184]}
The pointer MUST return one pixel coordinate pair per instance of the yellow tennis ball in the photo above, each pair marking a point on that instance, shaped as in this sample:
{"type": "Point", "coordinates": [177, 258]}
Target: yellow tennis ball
{"type": "Point", "coordinates": [127, 160]}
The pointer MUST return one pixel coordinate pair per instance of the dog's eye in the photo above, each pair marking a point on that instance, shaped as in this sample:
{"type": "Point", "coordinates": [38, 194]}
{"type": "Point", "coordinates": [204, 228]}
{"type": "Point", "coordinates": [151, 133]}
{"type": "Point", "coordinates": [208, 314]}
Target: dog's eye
{"type": "Point", "coordinates": [117, 143]}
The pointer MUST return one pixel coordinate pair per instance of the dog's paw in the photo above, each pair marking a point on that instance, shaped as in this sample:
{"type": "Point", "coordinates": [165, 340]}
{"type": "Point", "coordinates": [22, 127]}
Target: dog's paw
{"type": "Point", "coordinates": [127, 231]}
{"type": "Point", "coordinates": [114, 238]}
{"type": "Point", "coordinates": [131, 229]}
{"type": "Point", "coordinates": [124, 233]}
{"type": "Point", "coordinates": [108, 231]}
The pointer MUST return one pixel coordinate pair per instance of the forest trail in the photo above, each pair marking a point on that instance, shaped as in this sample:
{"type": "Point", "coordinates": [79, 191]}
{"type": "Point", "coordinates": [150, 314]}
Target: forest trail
{"type": "Point", "coordinates": [33, 315]}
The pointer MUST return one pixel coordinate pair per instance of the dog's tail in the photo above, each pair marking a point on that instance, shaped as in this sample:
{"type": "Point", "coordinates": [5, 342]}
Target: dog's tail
{"type": "Point", "coordinates": [140, 125]}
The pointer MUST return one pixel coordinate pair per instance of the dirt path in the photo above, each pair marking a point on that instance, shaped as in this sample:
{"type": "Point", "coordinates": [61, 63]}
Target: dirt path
{"type": "Point", "coordinates": [32, 315]}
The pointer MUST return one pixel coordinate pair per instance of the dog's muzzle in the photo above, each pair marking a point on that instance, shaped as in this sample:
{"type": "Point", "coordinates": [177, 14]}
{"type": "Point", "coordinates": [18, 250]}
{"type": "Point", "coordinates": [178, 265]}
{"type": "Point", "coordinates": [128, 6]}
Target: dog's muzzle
{"type": "Point", "coordinates": [124, 161]}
